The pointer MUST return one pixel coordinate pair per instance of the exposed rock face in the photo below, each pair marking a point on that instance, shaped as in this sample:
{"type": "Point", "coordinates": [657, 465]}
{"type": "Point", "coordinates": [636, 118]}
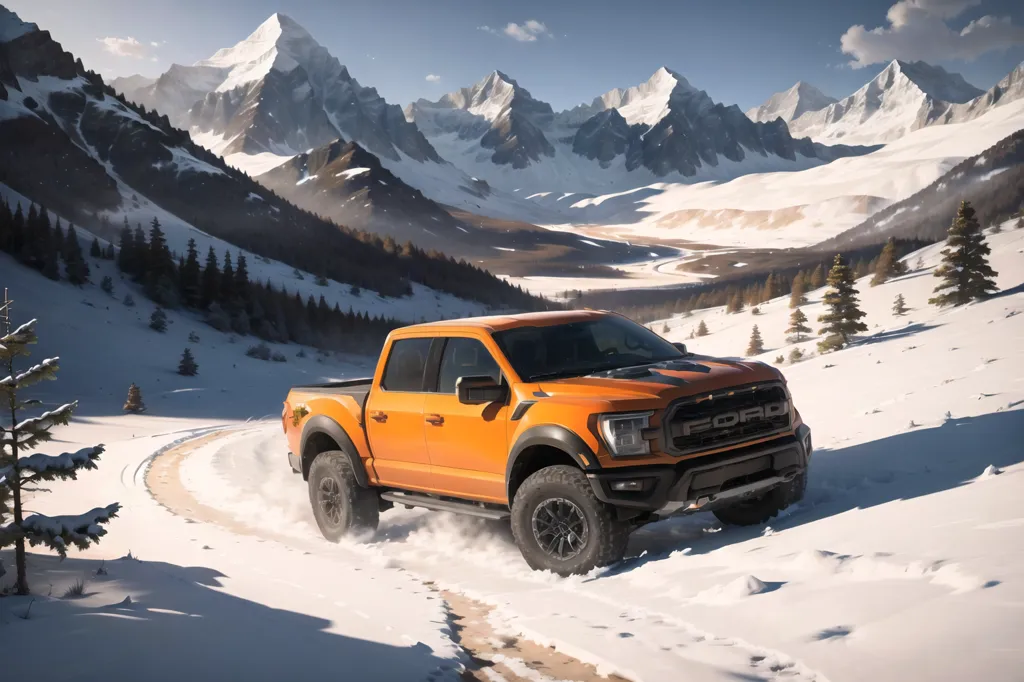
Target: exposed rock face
{"type": "Point", "coordinates": [280, 91]}
{"type": "Point", "coordinates": [1009, 89]}
{"type": "Point", "coordinates": [499, 112]}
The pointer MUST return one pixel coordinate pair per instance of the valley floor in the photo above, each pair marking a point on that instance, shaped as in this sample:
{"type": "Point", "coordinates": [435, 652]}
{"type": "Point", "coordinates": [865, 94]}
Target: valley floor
{"type": "Point", "coordinates": [904, 562]}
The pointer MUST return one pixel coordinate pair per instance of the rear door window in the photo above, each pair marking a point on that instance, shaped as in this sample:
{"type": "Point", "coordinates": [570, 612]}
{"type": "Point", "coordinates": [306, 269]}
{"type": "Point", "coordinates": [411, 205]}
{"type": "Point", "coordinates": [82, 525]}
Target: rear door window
{"type": "Point", "coordinates": [404, 371]}
{"type": "Point", "coordinates": [465, 358]}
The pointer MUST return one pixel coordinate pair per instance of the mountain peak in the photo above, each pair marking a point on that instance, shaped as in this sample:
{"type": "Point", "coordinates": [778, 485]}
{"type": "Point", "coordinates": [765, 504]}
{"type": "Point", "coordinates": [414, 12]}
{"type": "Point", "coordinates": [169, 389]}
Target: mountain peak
{"type": "Point", "coordinates": [11, 26]}
{"type": "Point", "coordinates": [932, 80]}
{"type": "Point", "coordinates": [279, 34]}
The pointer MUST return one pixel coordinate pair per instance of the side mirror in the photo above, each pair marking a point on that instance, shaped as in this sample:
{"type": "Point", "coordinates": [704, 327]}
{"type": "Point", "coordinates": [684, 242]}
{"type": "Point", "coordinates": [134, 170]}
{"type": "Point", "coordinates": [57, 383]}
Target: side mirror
{"type": "Point", "coordinates": [682, 348]}
{"type": "Point", "coordinates": [479, 390]}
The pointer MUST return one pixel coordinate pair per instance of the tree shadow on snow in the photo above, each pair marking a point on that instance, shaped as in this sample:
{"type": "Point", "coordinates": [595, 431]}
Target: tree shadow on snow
{"type": "Point", "coordinates": [903, 466]}
{"type": "Point", "coordinates": [894, 334]}
{"type": "Point", "coordinates": [176, 627]}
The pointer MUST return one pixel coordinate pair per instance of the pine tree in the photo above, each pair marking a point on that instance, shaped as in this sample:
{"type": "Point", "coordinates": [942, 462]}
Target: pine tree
{"type": "Point", "coordinates": [843, 317]}
{"type": "Point", "coordinates": [735, 304]}
{"type": "Point", "coordinates": [756, 345]}
{"type": "Point", "coordinates": [772, 288]}
{"type": "Point", "coordinates": [795, 356]}
{"type": "Point", "coordinates": [23, 473]}
{"type": "Point", "coordinates": [107, 285]}
{"type": "Point", "coordinates": [888, 265]}
{"type": "Point", "coordinates": [134, 402]}
{"type": "Point", "coordinates": [190, 277]}
{"type": "Point", "coordinates": [796, 294]}
{"type": "Point", "coordinates": [57, 239]}
{"type": "Point", "coordinates": [51, 266]}
{"type": "Point", "coordinates": [187, 366]}
{"type": "Point", "coordinates": [899, 306]}
{"type": "Point", "coordinates": [210, 280]}
{"type": "Point", "coordinates": [158, 320]}
{"type": "Point", "coordinates": [797, 326]}
{"type": "Point", "coordinates": [227, 280]}
{"type": "Point", "coordinates": [965, 273]}
{"type": "Point", "coordinates": [817, 278]}
{"type": "Point", "coordinates": [94, 249]}
{"type": "Point", "coordinates": [320, 281]}
{"type": "Point", "coordinates": [126, 254]}
{"type": "Point", "coordinates": [75, 267]}
{"type": "Point", "coordinates": [241, 285]}
{"type": "Point", "coordinates": [702, 329]}
{"type": "Point", "coordinates": [129, 301]}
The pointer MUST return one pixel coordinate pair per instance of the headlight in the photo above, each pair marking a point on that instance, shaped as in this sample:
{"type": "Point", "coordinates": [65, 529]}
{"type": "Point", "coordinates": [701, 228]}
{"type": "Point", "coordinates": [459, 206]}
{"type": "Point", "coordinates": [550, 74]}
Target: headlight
{"type": "Point", "coordinates": [623, 433]}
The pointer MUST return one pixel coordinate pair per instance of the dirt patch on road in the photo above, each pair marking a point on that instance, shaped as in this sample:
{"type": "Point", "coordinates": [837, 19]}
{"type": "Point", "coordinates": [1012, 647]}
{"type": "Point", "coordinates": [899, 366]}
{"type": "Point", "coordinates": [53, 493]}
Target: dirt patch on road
{"type": "Point", "coordinates": [492, 658]}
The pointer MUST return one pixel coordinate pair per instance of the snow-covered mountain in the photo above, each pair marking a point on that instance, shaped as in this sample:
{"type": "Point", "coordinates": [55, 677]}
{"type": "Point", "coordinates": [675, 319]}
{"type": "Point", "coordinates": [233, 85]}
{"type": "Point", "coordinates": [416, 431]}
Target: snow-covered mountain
{"type": "Point", "coordinates": [660, 129]}
{"type": "Point", "coordinates": [905, 96]}
{"type": "Point", "coordinates": [69, 143]}
{"type": "Point", "coordinates": [788, 105]}
{"type": "Point", "coordinates": [280, 92]}
{"type": "Point", "coordinates": [498, 112]}
{"type": "Point", "coordinates": [1009, 89]}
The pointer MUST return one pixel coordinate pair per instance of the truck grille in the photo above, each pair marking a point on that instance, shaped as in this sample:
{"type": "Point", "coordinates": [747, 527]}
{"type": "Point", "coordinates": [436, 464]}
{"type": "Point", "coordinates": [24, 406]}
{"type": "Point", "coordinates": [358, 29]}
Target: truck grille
{"type": "Point", "coordinates": [727, 417]}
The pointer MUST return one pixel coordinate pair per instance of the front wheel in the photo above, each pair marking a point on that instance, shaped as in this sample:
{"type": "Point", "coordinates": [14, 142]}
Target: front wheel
{"type": "Point", "coordinates": [560, 526]}
{"type": "Point", "coordinates": [340, 505]}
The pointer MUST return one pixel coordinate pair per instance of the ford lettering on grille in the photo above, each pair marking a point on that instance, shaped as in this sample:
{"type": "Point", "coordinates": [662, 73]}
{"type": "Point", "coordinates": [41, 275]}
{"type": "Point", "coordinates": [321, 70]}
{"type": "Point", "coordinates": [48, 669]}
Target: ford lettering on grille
{"type": "Point", "coordinates": [725, 420]}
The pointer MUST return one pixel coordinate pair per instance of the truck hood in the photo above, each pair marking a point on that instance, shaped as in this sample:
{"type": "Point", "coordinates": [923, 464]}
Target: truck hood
{"type": "Point", "coordinates": [665, 381]}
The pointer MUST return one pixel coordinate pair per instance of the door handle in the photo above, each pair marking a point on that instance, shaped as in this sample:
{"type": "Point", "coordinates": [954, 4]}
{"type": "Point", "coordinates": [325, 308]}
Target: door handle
{"type": "Point", "coordinates": [379, 417]}
{"type": "Point", "coordinates": [435, 419]}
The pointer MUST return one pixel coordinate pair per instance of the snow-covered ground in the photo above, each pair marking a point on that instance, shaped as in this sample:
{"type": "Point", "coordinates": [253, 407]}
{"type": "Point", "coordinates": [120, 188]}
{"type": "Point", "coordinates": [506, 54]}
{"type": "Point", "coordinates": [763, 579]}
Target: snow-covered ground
{"type": "Point", "coordinates": [904, 562]}
{"type": "Point", "coordinates": [787, 209]}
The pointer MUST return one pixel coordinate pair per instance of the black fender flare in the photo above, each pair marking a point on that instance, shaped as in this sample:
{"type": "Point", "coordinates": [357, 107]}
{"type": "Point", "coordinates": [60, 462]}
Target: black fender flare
{"type": "Point", "coordinates": [555, 436]}
{"type": "Point", "coordinates": [321, 424]}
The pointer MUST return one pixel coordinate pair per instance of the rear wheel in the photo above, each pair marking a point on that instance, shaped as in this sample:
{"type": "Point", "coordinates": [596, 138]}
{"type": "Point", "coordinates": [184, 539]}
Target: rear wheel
{"type": "Point", "coordinates": [757, 510]}
{"type": "Point", "coordinates": [340, 505]}
{"type": "Point", "coordinates": [560, 526]}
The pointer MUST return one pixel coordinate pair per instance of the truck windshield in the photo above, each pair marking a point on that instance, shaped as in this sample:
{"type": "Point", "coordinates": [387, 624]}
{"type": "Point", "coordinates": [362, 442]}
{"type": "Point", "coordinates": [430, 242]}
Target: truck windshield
{"type": "Point", "coordinates": [581, 348]}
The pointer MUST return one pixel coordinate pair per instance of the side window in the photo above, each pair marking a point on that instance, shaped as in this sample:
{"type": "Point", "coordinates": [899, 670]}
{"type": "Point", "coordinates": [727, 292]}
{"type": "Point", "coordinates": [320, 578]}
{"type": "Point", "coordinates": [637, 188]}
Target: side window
{"type": "Point", "coordinates": [404, 371]}
{"type": "Point", "coordinates": [465, 358]}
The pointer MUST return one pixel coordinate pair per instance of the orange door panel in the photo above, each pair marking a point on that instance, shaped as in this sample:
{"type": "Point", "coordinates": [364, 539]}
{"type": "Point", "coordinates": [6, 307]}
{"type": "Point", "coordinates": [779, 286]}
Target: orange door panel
{"type": "Point", "coordinates": [467, 443]}
{"type": "Point", "coordinates": [394, 418]}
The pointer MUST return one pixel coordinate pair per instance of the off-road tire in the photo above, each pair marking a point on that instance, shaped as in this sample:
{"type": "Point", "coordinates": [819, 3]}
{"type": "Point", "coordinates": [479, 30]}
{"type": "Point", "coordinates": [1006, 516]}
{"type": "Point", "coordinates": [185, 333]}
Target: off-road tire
{"type": "Point", "coordinates": [606, 536]}
{"type": "Point", "coordinates": [333, 482]}
{"type": "Point", "coordinates": [758, 510]}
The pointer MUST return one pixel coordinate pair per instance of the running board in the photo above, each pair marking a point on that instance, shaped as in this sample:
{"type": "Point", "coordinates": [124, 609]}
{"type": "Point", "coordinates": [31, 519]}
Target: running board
{"type": "Point", "coordinates": [427, 502]}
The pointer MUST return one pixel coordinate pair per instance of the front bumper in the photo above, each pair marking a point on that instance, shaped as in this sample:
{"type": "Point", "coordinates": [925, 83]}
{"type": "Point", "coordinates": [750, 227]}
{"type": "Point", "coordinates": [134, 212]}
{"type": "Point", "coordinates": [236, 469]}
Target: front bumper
{"type": "Point", "coordinates": [294, 462]}
{"type": "Point", "coordinates": [707, 482]}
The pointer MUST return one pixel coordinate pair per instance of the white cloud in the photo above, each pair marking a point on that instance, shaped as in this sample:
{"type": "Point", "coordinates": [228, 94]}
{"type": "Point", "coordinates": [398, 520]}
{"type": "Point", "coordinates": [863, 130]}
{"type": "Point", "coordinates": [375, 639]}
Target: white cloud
{"type": "Point", "coordinates": [155, 43]}
{"type": "Point", "coordinates": [487, 29]}
{"type": "Point", "coordinates": [527, 32]}
{"type": "Point", "coordinates": [433, 78]}
{"type": "Point", "coordinates": [123, 47]}
{"type": "Point", "coordinates": [917, 29]}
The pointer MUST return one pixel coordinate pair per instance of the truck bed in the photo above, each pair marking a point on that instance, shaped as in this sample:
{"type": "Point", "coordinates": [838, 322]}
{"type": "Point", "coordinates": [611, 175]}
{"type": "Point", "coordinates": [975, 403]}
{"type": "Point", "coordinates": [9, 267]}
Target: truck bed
{"type": "Point", "coordinates": [358, 389]}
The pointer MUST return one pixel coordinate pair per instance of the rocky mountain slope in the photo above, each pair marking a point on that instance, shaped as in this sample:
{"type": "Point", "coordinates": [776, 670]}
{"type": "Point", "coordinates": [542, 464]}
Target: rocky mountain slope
{"type": "Point", "coordinates": [905, 96]}
{"type": "Point", "coordinates": [279, 91]}
{"type": "Point", "coordinates": [67, 142]}
{"type": "Point", "coordinates": [1009, 89]}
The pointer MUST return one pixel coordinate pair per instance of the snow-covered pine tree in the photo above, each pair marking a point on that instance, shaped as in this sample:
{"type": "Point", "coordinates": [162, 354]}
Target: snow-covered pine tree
{"type": "Point", "coordinates": [187, 366]}
{"type": "Point", "coordinates": [899, 306]}
{"type": "Point", "coordinates": [756, 345]}
{"type": "Point", "coordinates": [134, 402]}
{"type": "Point", "coordinates": [702, 329]}
{"type": "Point", "coordinates": [797, 326]}
{"type": "Point", "coordinates": [796, 294]}
{"type": "Point", "coordinates": [107, 285]}
{"type": "Point", "coordinates": [965, 272]}
{"type": "Point", "coordinates": [21, 472]}
{"type": "Point", "coordinates": [888, 264]}
{"type": "Point", "coordinates": [158, 320]}
{"type": "Point", "coordinates": [843, 317]}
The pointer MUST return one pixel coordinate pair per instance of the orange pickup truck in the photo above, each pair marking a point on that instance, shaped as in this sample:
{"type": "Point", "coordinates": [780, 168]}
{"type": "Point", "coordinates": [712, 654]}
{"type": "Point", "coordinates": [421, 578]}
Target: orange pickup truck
{"type": "Point", "coordinates": [581, 426]}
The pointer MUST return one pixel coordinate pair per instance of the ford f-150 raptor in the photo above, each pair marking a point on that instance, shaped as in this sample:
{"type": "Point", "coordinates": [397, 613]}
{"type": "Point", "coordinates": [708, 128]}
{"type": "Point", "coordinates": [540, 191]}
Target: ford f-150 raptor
{"type": "Point", "coordinates": [581, 426]}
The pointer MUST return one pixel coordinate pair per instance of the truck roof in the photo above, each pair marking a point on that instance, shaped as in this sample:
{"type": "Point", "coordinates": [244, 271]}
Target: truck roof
{"type": "Point", "coordinates": [500, 322]}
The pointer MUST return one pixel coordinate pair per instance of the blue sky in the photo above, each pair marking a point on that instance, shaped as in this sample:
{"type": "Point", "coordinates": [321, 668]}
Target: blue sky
{"type": "Point", "coordinates": [740, 51]}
